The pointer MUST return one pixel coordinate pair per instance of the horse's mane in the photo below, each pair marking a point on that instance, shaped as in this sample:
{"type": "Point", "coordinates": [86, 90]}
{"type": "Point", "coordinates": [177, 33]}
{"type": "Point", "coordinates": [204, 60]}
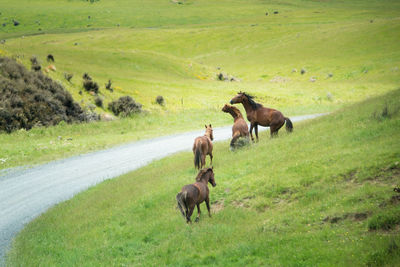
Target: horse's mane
{"type": "Point", "coordinates": [253, 103]}
{"type": "Point", "coordinates": [236, 111]}
{"type": "Point", "coordinates": [202, 173]}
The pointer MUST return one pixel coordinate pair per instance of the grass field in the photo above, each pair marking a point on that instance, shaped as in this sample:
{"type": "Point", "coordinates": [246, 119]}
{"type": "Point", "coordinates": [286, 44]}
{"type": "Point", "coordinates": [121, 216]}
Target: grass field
{"type": "Point", "coordinates": [322, 195]}
{"type": "Point", "coordinates": [351, 50]}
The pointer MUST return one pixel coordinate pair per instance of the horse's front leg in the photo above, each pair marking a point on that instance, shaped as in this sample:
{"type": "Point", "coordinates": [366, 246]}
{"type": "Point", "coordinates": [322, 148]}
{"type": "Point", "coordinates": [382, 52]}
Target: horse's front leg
{"type": "Point", "coordinates": [198, 213]}
{"type": "Point", "coordinates": [208, 206]}
{"type": "Point", "coordinates": [256, 130]}
{"type": "Point", "coordinates": [211, 157]}
{"type": "Point", "coordinates": [251, 132]}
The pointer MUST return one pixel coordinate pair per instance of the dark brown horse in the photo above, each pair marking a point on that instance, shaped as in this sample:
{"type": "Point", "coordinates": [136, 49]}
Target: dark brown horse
{"type": "Point", "coordinates": [239, 128]}
{"type": "Point", "coordinates": [257, 114]}
{"type": "Point", "coordinates": [202, 147]}
{"type": "Point", "coordinates": [194, 194]}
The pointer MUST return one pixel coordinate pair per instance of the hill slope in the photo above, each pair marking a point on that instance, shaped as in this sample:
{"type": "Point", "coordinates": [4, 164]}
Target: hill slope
{"type": "Point", "coordinates": [322, 195]}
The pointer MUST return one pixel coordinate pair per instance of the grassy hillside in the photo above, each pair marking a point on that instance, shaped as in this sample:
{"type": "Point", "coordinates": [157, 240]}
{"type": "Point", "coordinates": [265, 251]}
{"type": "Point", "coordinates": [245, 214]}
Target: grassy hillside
{"type": "Point", "coordinates": [349, 49]}
{"type": "Point", "coordinates": [322, 195]}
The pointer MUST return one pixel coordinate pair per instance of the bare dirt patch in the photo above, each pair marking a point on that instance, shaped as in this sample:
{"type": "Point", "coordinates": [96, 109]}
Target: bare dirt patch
{"type": "Point", "coordinates": [218, 206]}
{"type": "Point", "coordinates": [357, 216]}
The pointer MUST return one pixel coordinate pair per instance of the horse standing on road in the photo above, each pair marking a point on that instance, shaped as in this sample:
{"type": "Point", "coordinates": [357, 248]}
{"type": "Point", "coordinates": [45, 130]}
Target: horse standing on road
{"type": "Point", "coordinates": [194, 194]}
{"type": "Point", "coordinates": [239, 128]}
{"type": "Point", "coordinates": [257, 114]}
{"type": "Point", "coordinates": [202, 147]}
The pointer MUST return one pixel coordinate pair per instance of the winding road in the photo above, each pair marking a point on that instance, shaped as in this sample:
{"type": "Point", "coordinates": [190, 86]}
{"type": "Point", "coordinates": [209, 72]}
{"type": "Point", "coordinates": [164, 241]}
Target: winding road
{"type": "Point", "coordinates": [25, 193]}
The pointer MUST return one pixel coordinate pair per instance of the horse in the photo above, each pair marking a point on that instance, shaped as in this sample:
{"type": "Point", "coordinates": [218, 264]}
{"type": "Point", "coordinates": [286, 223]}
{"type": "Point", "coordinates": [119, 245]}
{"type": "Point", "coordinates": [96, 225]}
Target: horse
{"type": "Point", "coordinates": [257, 114]}
{"type": "Point", "coordinates": [194, 194]}
{"type": "Point", "coordinates": [202, 147]}
{"type": "Point", "coordinates": [239, 128]}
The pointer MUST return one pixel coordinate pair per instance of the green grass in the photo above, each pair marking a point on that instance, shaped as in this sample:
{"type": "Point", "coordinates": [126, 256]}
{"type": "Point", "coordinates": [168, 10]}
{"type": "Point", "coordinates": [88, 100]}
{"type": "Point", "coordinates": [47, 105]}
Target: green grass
{"type": "Point", "coordinates": [163, 48]}
{"type": "Point", "coordinates": [313, 197]}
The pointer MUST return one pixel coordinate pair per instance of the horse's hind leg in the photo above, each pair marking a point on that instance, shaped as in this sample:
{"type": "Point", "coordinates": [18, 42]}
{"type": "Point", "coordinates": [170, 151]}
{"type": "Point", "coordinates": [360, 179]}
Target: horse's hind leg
{"type": "Point", "coordinates": [274, 131]}
{"type": "Point", "coordinates": [274, 128]}
{"type": "Point", "coordinates": [198, 213]}
{"type": "Point", "coordinates": [234, 139]}
{"type": "Point", "coordinates": [211, 157]}
{"type": "Point", "coordinates": [189, 214]}
{"type": "Point", "coordinates": [203, 160]}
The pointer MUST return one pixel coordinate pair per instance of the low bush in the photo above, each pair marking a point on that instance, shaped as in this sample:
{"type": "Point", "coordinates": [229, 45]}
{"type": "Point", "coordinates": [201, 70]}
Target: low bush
{"type": "Point", "coordinates": [109, 86]}
{"type": "Point", "coordinates": [68, 76]}
{"type": "Point", "coordinates": [98, 101]}
{"type": "Point", "coordinates": [125, 106]}
{"type": "Point", "coordinates": [35, 65]}
{"type": "Point", "coordinates": [89, 84]}
{"type": "Point", "coordinates": [160, 100]}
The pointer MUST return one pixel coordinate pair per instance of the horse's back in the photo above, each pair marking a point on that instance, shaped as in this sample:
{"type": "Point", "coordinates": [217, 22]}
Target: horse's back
{"type": "Point", "coordinates": [197, 142]}
{"type": "Point", "coordinates": [194, 193]}
{"type": "Point", "coordinates": [204, 143]}
{"type": "Point", "coordinates": [241, 127]}
{"type": "Point", "coordinates": [268, 116]}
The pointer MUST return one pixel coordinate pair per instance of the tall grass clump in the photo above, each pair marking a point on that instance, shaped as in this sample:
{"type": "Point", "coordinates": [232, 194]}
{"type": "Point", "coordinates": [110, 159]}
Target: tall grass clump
{"type": "Point", "coordinates": [386, 220]}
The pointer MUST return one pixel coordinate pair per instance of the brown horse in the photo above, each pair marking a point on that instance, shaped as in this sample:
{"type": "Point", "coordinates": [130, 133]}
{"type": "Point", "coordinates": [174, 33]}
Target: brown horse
{"type": "Point", "coordinates": [257, 114]}
{"type": "Point", "coordinates": [239, 128]}
{"type": "Point", "coordinates": [202, 147]}
{"type": "Point", "coordinates": [194, 194]}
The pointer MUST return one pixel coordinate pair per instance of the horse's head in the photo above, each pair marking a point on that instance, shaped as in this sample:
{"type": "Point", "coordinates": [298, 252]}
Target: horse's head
{"type": "Point", "coordinates": [243, 98]}
{"type": "Point", "coordinates": [239, 98]}
{"type": "Point", "coordinates": [207, 176]}
{"type": "Point", "coordinates": [211, 178]}
{"type": "Point", "coordinates": [226, 108]}
{"type": "Point", "coordinates": [209, 132]}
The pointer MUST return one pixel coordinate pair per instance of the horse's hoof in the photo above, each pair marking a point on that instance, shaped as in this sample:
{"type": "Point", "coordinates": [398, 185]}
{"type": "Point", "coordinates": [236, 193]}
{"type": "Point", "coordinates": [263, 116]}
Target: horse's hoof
{"type": "Point", "coordinates": [197, 219]}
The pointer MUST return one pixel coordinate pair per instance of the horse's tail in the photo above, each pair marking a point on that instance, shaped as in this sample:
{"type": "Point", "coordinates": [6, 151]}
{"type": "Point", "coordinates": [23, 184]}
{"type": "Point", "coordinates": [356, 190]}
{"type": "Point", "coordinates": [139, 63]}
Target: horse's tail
{"type": "Point", "coordinates": [289, 125]}
{"type": "Point", "coordinates": [181, 199]}
{"type": "Point", "coordinates": [197, 156]}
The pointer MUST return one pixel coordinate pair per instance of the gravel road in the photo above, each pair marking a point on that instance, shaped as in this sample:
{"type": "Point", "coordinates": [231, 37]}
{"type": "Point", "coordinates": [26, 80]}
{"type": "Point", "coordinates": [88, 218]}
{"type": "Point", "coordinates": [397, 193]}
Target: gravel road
{"type": "Point", "coordinates": [25, 193]}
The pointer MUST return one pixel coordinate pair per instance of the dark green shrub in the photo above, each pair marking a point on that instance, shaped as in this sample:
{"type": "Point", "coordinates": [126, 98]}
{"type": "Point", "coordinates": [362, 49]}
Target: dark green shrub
{"type": "Point", "coordinates": [30, 98]}
{"type": "Point", "coordinates": [35, 65]}
{"type": "Point", "coordinates": [98, 101]}
{"type": "Point", "coordinates": [125, 106]}
{"type": "Point", "coordinates": [160, 100]}
{"type": "Point", "coordinates": [89, 84]}
{"type": "Point", "coordinates": [109, 86]}
{"type": "Point", "coordinates": [68, 76]}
